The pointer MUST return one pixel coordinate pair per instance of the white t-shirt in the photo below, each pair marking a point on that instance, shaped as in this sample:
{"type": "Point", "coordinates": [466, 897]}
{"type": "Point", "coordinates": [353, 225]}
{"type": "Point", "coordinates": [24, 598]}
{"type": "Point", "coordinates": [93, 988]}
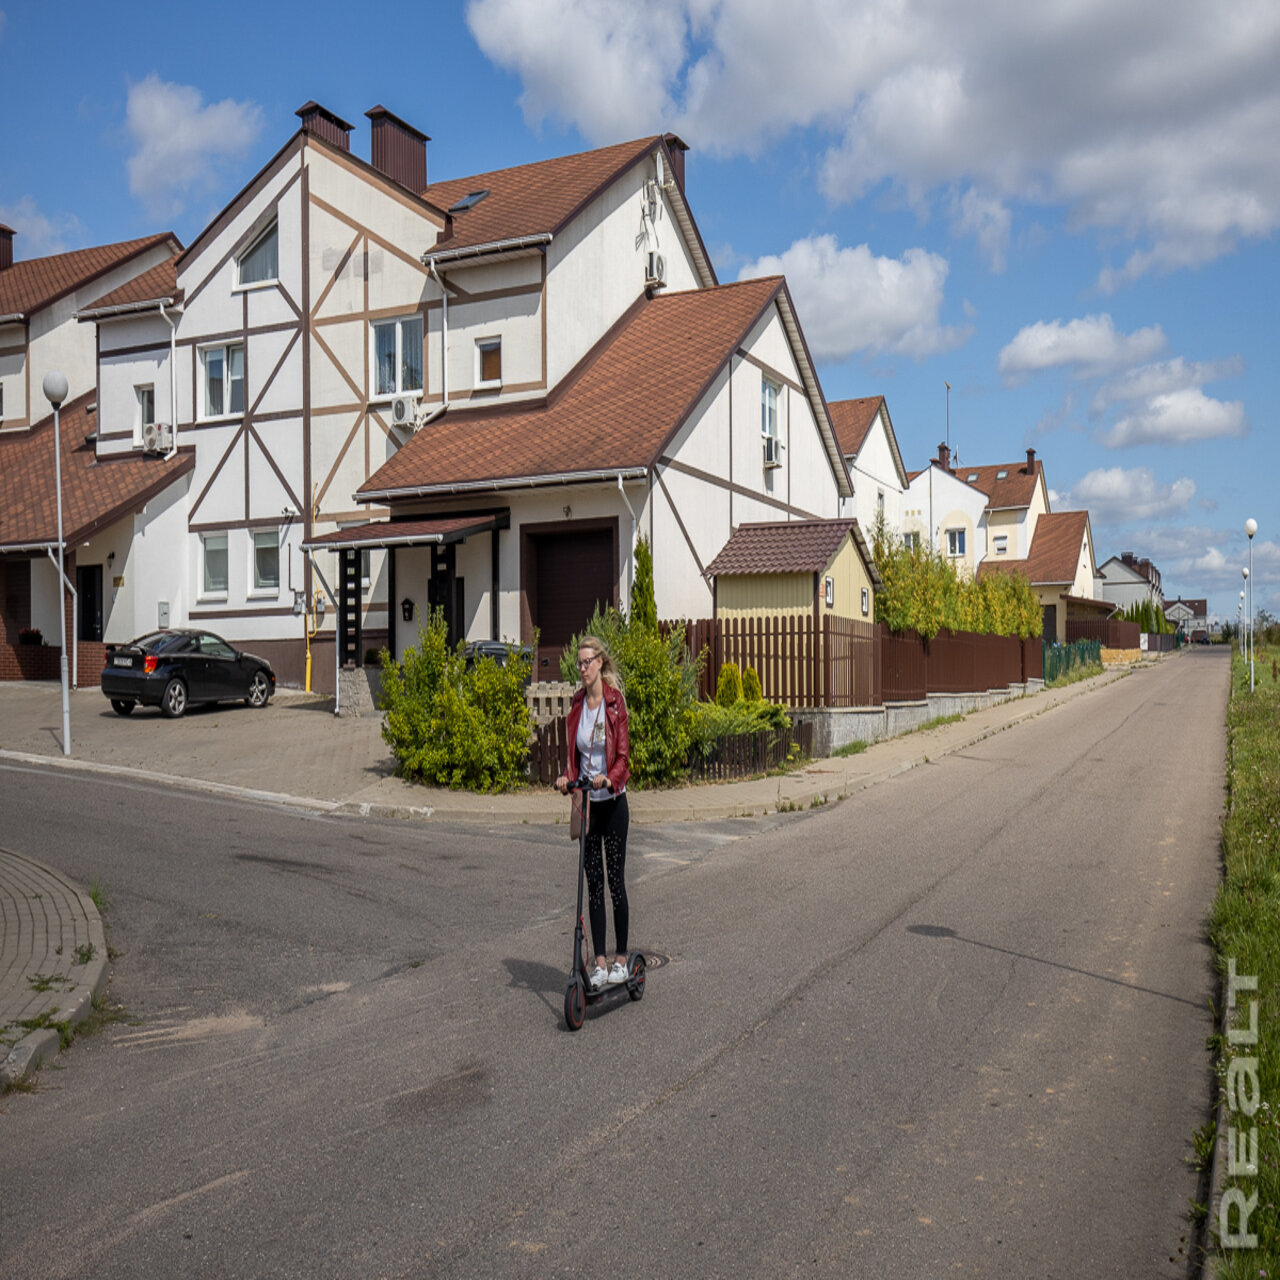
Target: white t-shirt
{"type": "Point", "coordinates": [591, 726]}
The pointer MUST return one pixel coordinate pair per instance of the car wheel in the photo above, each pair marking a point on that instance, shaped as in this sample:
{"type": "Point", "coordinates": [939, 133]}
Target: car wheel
{"type": "Point", "coordinates": [174, 702]}
{"type": "Point", "coordinates": [259, 690]}
{"type": "Point", "coordinates": [122, 707]}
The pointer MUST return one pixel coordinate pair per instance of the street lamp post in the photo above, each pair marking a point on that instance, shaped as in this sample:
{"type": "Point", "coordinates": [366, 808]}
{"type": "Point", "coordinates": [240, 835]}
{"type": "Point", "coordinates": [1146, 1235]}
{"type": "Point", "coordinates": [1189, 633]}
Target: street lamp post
{"type": "Point", "coordinates": [55, 391]}
{"type": "Point", "coordinates": [1240, 623]}
{"type": "Point", "coordinates": [1251, 527]}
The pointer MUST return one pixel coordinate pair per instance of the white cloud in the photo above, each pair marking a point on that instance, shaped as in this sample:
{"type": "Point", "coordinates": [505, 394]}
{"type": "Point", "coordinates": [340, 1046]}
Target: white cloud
{"type": "Point", "coordinates": [1114, 495]}
{"type": "Point", "coordinates": [1157, 119]}
{"type": "Point", "coordinates": [1179, 417]}
{"type": "Point", "coordinates": [1091, 344]}
{"type": "Point", "coordinates": [850, 300]}
{"type": "Point", "coordinates": [989, 221]}
{"type": "Point", "coordinates": [183, 146]}
{"type": "Point", "coordinates": [1163, 377]}
{"type": "Point", "coordinates": [38, 234]}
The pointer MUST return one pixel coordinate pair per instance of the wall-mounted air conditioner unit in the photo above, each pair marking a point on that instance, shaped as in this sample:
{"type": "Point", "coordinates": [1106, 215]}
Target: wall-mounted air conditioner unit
{"type": "Point", "coordinates": [655, 271]}
{"type": "Point", "coordinates": [404, 411]}
{"type": "Point", "coordinates": [157, 437]}
{"type": "Point", "coordinates": [772, 451]}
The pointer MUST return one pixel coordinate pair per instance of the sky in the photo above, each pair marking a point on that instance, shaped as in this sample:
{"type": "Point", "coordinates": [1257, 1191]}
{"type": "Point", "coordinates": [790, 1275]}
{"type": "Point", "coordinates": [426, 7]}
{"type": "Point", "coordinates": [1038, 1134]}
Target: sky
{"type": "Point", "coordinates": [1067, 211]}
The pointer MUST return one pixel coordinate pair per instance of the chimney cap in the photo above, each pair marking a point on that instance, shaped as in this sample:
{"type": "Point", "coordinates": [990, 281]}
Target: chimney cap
{"type": "Point", "coordinates": [314, 108]}
{"type": "Point", "coordinates": [9, 231]}
{"type": "Point", "coordinates": [376, 113]}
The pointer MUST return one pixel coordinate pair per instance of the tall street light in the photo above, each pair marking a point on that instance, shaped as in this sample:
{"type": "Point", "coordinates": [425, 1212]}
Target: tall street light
{"type": "Point", "coordinates": [1240, 622]}
{"type": "Point", "coordinates": [55, 391]}
{"type": "Point", "coordinates": [1251, 527]}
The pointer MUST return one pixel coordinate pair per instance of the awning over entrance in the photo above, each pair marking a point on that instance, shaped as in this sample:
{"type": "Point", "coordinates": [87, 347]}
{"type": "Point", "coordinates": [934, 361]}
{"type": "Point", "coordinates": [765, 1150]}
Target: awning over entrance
{"type": "Point", "coordinates": [434, 530]}
{"type": "Point", "coordinates": [1081, 606]}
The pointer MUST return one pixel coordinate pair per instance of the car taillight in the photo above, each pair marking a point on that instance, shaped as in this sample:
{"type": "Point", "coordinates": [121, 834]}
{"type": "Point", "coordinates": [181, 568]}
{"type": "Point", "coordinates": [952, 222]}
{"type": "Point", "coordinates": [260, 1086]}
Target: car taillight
{"type": "Point", "coordinates": [149, 663]}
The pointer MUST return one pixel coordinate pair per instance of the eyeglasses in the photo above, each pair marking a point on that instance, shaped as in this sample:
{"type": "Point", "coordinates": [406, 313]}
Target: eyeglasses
{"type": "Point", "coordinates": [584, 663]}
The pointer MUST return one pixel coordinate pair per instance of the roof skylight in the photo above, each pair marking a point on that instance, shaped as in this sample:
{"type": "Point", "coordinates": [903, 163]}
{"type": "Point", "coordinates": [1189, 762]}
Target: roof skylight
{"type": "Point", "coordinates": [469, 201]}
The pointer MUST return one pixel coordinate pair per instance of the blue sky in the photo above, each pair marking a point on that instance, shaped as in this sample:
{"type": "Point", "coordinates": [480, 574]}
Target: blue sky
{"type": "Point", "coordinates": [1068, 211]}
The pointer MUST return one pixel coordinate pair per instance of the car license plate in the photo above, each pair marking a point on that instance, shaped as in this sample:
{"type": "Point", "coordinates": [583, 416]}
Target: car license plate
{"type": "Point", "coordinates": [124, 662]}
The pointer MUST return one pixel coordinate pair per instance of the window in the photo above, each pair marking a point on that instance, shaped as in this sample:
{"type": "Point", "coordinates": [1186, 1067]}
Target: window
{"type": "Point", "coordinates": [955, 542]}
{"type": "Point", "coordinates": [261, 261]}
{"type": "Point", "coordinates": [1002, 544]}
{"type": "Point", "coordinates": [488, 362]}
{"type": "Point", "coordinates": [769, 408]}
{"type": "Point", "coordinates": [397, 356]}
{"type": "Point", "coordinates": [911, 541]}
{"type": "Point", "coordinates": [1002, 475]}
{"type": "Point", "coordinates": [880, 503]}
{"type": "Point", "coordinates": [266, 560]}
{"type": "Point", "coordinates": [829, 589]}
{"type": "Point", "coordinates": [146, 410]}
{"type": "Point", "coordinates": [214, 548]}
{"type": "Point", "coordinates": [866, 602]}
{"type": "Point", "coordinates": [223, 380]}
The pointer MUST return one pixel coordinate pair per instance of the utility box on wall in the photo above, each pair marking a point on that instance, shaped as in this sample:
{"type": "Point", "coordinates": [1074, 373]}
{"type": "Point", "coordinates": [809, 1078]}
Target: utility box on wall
{"type": "Point", "coordinates": [162, 614]}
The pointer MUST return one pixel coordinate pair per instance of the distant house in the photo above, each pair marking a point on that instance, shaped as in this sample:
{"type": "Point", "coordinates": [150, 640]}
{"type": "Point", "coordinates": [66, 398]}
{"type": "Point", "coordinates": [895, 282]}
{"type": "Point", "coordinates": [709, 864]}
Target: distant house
{"type": "Point", "coordinates": [1061, 570]}
{"type": "Point", "coordinates": [942, 510]}
{"type": "Point", "coordinates": [1126, 581]}
{"type": "Point", "coordinates": [871, 453]}
{"type": "Point", "coordinates": [1191, 617]}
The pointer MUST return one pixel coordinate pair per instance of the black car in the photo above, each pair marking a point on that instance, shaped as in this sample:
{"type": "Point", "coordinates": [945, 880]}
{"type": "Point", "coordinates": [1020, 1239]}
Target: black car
{"type": "Point", "coordinates": [173, 669]}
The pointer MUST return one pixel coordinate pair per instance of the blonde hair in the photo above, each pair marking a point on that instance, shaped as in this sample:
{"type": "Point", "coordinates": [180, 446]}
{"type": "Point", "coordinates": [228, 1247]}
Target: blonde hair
{"type": "Point", "coordinates": [608, 672]}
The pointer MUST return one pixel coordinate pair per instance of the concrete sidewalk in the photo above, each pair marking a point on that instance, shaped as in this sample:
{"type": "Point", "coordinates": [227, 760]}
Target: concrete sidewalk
{"type": "Point", "coordinates": [296, 752]}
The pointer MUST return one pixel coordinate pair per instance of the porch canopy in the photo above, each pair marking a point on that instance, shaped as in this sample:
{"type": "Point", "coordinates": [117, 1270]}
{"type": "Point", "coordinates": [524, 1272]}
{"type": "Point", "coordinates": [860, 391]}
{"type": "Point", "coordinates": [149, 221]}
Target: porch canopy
{"type": "Point", "coordinates": [440, 530]}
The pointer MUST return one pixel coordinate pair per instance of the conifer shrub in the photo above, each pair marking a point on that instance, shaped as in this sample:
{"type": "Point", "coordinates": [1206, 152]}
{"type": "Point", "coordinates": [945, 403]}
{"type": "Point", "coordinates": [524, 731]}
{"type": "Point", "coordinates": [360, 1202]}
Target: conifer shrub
{"type": "Point", "coordinates": [751, 691]}
{"type": "Point", "coordinates": [729, 685]}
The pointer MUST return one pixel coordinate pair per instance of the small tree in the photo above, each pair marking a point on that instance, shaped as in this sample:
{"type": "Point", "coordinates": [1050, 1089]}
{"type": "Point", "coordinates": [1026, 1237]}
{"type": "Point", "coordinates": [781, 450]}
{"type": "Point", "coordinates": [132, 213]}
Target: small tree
{"type": "Point", "coordinates": [644, 607]}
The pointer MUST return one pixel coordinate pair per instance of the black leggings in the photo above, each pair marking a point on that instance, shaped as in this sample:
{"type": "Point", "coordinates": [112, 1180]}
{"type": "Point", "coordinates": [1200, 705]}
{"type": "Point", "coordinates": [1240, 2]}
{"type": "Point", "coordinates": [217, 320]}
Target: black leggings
{"type": "Point", "coordinates": [607, 833]}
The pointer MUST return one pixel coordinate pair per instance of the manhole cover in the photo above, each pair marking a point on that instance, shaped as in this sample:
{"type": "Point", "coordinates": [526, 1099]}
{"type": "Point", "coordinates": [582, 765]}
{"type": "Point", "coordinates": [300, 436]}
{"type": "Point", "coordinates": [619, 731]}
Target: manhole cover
{"type": "Point", "coordinates": [654, 959]}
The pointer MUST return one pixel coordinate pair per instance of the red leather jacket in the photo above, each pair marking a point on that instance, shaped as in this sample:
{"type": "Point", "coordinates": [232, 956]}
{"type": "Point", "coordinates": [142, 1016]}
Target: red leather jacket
{"type": "Point", "coordinates": [617, 737]}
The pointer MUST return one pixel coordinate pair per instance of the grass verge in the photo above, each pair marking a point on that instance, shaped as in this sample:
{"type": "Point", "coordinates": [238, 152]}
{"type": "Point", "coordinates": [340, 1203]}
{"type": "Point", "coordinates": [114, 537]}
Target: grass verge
{"type": "Point", "coordinates": [1076, 674]}
{"type": "Point", "coordinates": [1245, 931]}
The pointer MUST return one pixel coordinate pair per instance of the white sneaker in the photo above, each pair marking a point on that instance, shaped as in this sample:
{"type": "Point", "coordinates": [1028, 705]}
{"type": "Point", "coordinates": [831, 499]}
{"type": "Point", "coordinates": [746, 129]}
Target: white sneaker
{"type": "Point", "coordinates": [618, 972]}
{"type": "Point", "coordinates": [598, 978]}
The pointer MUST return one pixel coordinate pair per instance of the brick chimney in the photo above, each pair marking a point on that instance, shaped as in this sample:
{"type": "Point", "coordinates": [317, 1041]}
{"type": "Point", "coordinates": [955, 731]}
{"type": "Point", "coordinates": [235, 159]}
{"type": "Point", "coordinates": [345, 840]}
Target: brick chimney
{"type": "Point", "coordinates": [6, 247]}
{"type": "Point", "coordinates": [324, 124]}
{"type": "Point", "coordinates": [398, 150]}
{"type": "Point", "coordinates": [1031, 461]}
{"type": "Point", "coordinates": [944, 457]}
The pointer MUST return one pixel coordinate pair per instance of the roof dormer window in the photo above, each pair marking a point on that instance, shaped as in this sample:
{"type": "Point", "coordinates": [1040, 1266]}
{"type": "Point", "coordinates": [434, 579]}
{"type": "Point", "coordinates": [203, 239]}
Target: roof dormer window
{"type": "Point", "coordinates": [469, 201]}
{"type": "Point", "coordinates": [260, 262]}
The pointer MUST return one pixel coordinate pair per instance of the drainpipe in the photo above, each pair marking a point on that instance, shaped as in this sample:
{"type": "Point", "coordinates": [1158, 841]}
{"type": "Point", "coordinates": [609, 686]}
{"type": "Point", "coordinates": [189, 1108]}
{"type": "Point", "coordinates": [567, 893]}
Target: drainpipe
{"type": "Point", "coordinates": [173, 384]}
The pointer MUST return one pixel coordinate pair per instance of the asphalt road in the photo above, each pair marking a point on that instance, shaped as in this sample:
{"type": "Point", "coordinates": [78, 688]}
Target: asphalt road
{"type": "Point", "coordinates": [954, 1025]}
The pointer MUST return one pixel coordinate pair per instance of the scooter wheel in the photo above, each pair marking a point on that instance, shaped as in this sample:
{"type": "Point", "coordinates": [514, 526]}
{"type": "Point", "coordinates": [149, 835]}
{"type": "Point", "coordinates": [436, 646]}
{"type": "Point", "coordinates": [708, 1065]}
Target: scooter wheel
{"type": "Point", "coordinates": [575, 1004]}
{"type": "Point", "coordinates": [635, 987]}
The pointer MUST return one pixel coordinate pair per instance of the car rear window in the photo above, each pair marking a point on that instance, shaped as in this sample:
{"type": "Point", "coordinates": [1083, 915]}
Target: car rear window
{"type": "Point", "coordinates": [164, 642]}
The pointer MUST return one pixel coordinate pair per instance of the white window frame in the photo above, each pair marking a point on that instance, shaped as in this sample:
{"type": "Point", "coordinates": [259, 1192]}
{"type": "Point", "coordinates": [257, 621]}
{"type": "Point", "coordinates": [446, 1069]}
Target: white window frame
{"type": "Point", "coordinates": [769, 406]}
{"type": "Point", "coordinates": [880, 503]}
{"type": "Point", "coordinates": [399, 389]}
{"type": "Point", "coordinates": [956, 543]}
{"type": "Point", "coordinates": [224, 349]}
{"type": "Point", "coordinates": [267, 282]}
{"type": "Point", "coordinates": [482, 345]}
{"type": "Point", "coordinates": [866, 602]}
{"type": "Point", "coordinates": [259, 589]}
{"type": "Point", "coordinates": [140, 418]}
{"type": "Point", "coordinates": [1001, 544]}
{"type": "Point", "coordinates": [208, 592]}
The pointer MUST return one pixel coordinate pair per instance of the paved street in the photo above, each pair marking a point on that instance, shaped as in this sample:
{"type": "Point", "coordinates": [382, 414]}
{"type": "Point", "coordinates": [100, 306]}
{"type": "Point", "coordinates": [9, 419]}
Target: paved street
{"type": "Point", "coordinates": [954, 1024]}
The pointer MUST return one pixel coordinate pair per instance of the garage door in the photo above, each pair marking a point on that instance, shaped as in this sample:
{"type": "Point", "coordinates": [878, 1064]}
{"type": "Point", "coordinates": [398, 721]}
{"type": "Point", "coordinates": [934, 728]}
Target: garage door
{"type": "Point", "coordinates": [574, 572]}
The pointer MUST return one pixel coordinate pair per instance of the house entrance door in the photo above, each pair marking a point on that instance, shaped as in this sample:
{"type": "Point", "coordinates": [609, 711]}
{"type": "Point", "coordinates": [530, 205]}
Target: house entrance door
{"type": "Point", "coordinates": [89, 591]}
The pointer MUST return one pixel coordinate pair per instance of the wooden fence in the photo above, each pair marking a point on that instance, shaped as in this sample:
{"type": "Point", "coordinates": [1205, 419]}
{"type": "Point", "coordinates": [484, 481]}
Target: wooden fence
{"type": "Point", "coordinates": [1113, 633]}
{"type": "Point", "coordinates": [954, 662]}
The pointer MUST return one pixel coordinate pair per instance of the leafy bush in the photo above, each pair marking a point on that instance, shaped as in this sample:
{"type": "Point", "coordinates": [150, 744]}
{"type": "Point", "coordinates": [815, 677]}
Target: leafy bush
{"type": "Point", "coordinates": [751, 685]}
{"type": "Point", "coordinates": [453, 725]}
{"type": "Point", "coordinates": [712, 721]}
{"type": "Point", "coordinates": [728, 685]}
{"type": "Point", "coordinates": [659, 680]}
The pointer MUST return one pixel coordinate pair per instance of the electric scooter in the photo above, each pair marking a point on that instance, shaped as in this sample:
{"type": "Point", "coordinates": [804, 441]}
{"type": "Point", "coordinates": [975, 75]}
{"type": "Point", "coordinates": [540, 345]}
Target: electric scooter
{"type": "Point", "coordinates": [578, 994]}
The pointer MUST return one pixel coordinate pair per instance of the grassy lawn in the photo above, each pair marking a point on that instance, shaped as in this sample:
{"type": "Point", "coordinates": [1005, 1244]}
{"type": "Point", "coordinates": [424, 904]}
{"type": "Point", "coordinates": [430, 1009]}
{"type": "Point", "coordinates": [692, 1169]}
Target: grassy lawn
{"type": "Point", "coordinates": [1245, 927]}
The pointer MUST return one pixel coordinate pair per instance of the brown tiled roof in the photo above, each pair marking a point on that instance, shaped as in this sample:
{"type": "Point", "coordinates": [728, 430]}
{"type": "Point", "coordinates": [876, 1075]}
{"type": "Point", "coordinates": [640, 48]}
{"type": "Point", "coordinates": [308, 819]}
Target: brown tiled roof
{"type": "Point", "coordinates": [852, 420]}
{"type": "Point", "coordinates": [615, 412]}
{"type": "Point", "coordinates": [1015, 489]}
{"type": "Point", "coordinates": [531, 199]}
{"type": "Point", "coordinates": [1055, 550]}
{"type": "Point", "coordinates": [796, 546]}
{"type": "Point", "coordinates": [94, 493]}
{"type": "Point", "coordinates": [33, 283]}
{"type": "Point", "coordinates": [157, 285]}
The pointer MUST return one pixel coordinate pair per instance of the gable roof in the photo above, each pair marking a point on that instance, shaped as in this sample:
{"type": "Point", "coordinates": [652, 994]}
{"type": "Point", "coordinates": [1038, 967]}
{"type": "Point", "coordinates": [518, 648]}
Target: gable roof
{"type": "Point", "coordinates": [1015, 488]}
{"type": "Point", "coordinates": [34, 283]}
{"type": "Point", "coordinates": [95, 492]}
{"type": "Point", "coordinates": [794, 546]}
{"type": "Point", "coordinates": [853, 420]}
{"type": "Point", "coordinates": [613, 414]}
{"type": "Point", "coordinates": [1055, 550]}
{"type": "Point", "coordinates": [143, 292]}
{"type": "Point", "coordinates": [538, 200]}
